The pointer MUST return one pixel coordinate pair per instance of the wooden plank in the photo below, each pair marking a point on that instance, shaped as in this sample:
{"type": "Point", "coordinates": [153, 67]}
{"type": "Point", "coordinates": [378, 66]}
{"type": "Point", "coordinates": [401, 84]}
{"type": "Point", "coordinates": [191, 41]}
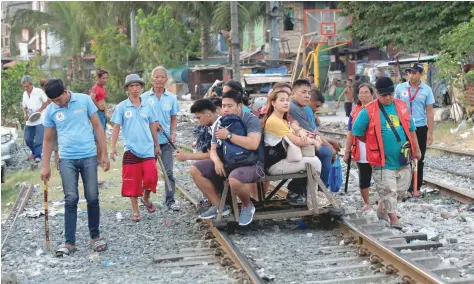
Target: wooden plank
{"type": "Point", "coordinates": [410, 237]}
{"type": "Point", "coordinates": [178, 256]}
{"type": "Point", "coordinates": [203, 261]}
{"type": "Point", "coordinates": [359, 279]}
{"type": "Point", "coordinates": [312, 188]}
{"type": "Point", "coordinates": [460, 195]}
{"type": "Point", "coordinates": [333, 269]}
{"type": "Point", "coordinates": [428, 262]}
{"type": "Point", "coordinates": [333, 260]}
{"type": "Point", "coordinates": [462, 281]}
{"type": "Point", "coordinates": [394, 241]}
{"type": "Point", "coordinates": [196, 249]}
{"type": "Point", "coordinates": [418, 246]}
{"type": "Point", "coordinates": [282, 177]}
{"type": "Point", "coordinates": [223, 199]}
{"type": "Point", "coordinates": [281, 214]}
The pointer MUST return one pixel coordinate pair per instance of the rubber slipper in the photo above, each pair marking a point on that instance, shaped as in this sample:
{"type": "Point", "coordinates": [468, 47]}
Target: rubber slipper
{"type": "Point", "coordinates": [64, 250]}
{"type": "Point", "coordinates": [151, 208]}
{"type": "Point", "coordinates": [136, 218]}
{"type": "Point", "coordinates": [98, 245]}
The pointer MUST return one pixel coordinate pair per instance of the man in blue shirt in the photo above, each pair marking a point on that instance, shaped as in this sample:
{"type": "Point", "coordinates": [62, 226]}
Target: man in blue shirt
{"type": "Point", "coordinates": [137, 119]}
{"type": "Point", "coordinates": [166, 106]}
{"type": "Point", "coordinates": [419, 98]}
{"type": "Point", "coordinates": [72, 115]}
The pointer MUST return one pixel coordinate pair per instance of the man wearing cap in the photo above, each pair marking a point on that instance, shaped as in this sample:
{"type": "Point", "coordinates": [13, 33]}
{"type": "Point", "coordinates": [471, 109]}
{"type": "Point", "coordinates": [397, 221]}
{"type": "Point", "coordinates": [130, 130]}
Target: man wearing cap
{"type": "Point", "coordinates": [419, 98]}
{"type": "Point", "coordinates": [137, 119]}
{"type": "Point", "coordinates": [72, 115]}
{"type": "Point", "coordinates": [34, 102]}
{"type": "Point", "coordinates": [386, 127]}
{"type": "Point", "coordinates": [166, 106]}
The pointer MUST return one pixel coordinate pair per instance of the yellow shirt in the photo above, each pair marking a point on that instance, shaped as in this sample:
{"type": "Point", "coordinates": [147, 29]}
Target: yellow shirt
{"type": "Point", "coordinates": [277, 127]}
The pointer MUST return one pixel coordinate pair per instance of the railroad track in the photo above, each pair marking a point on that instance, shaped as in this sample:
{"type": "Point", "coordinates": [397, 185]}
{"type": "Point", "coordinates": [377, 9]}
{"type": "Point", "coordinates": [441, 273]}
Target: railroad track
{"type": "Point", "coordinates": [21, 201]}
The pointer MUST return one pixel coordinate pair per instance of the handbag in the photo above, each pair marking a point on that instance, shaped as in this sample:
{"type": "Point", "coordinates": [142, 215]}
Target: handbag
{"type": "Point", "coordinates": [293, 152]}
{"type": "Point", "coordinates": [405, 152]}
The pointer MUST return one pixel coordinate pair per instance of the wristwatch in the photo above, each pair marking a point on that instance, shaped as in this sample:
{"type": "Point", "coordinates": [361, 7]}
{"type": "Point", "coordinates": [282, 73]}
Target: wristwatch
{"type": "Point", "coordinates": [229, 136]}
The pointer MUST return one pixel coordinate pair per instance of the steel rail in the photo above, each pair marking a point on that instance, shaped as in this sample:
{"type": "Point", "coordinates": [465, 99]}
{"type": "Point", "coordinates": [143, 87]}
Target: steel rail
{"type": "Point", "coordinates": [405, 267]}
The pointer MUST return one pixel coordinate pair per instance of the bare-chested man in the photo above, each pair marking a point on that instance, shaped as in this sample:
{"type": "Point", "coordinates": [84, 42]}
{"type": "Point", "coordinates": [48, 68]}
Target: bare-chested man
{"type": "Point", "coordinates": [349, 93]}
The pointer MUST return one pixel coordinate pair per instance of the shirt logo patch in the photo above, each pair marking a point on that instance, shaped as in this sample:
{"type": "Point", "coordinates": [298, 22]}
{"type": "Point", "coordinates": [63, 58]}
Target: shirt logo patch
{"type": "Point", "coordinates": [405, 94]}
{"type": "Point", "coordinates": [78, 110]}
{"type": "Point", "coordinates": [60, 116]}
{"type": "Point", "coordinates": [128, 114]}
{"type": "Point", "coordinates": [150, 101]}
{"type": "Point", "coordinates": [395, 120]}
{"type": "Point", "coordinates": [144, 115]}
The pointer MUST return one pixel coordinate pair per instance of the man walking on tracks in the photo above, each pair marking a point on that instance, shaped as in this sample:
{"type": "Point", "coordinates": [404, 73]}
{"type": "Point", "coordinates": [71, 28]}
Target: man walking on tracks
{"type": "Point", "coordinates": [166, 106]}
{"type": "Point", "coordinates": [419, 98]}
{"type": "Point", "coordinates": [387, 129]}
{"type": "Point", "coordinates": [72, 115]}
{"type": "Point", "coordinates": [34, 102]}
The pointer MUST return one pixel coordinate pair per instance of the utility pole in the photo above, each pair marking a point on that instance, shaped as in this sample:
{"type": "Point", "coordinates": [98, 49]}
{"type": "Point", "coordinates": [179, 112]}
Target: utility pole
{"type": "Point", "coordinates": [275, 30]}
{"type": "Point", "coordinates": [234, 26]}
{"type": "Point", "coordinates": [133, 29]}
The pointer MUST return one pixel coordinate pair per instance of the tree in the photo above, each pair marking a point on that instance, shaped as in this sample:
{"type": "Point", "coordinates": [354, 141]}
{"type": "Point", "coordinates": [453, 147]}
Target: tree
{"type": "Point", "coordinates": [200, 12]}
{"type": "Point", "coordinates": [411, 25]}
{"type": "Point", "coordinates": [114, 53]}
{"type": "Point", "coordinates": [163, 40]}
{"type": "Point", "coordinates": [60, 19]}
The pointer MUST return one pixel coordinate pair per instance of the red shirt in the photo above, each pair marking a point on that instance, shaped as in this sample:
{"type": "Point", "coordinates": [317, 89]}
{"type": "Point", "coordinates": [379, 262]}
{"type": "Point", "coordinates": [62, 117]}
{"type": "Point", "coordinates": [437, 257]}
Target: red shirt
{"type": "Point", "coordinates": [100, 92]}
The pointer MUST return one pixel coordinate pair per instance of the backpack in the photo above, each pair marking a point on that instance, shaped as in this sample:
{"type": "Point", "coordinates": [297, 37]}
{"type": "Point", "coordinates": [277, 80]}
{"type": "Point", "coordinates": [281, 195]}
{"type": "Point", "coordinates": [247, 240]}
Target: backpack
{"type": "Point", "coordinates": [232, 155]}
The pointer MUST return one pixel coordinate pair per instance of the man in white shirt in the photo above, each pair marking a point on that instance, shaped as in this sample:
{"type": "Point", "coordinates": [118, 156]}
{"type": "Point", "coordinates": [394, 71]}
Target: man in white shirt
{"type": "Point", "coordinates": [34, 101]}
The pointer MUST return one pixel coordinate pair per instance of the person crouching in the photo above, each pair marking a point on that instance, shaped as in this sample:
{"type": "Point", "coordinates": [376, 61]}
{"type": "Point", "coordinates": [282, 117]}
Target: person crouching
{"type": "Point", "coordinates": [138, 120]}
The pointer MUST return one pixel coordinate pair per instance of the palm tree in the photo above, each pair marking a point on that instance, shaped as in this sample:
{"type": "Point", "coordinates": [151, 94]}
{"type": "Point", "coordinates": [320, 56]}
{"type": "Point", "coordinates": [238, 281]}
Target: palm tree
{"type": "Point", "coordinates": [201, 13]}
{"type": "Point", "coordinates": [60, 20]}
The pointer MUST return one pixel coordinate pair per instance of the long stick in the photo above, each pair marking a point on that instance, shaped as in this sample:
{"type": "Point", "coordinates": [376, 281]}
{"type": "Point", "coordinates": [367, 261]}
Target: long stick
{"type": "Point", "coordinates": [165, 175]}
{"type": "Point", "coordinates": [167, 137]}
{"type": "Point", "coordinates": [415, 180]}
{"type": "Point", "coordinates": [46, 213]}
{"type": "Point", "coordinates": [348, 171]}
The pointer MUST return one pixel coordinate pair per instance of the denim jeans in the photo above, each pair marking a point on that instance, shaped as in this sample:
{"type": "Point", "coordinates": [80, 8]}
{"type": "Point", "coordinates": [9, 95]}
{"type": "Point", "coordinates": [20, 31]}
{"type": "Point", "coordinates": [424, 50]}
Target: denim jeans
{"type": "Point", "coordinates": [70, 170]}
{"type": "Point", "coordinates": [167, 157]}
{"type": "Point", "coordinates": [103, 122]}
{"type": "Point", "coordinates": [34, 139]}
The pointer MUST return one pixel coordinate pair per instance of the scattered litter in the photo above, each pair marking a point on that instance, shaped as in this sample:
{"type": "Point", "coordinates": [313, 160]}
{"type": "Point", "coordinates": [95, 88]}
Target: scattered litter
{"type": "Point", "coordinates": [106, 263]}
{"type": "Point", "coordinates": [94, 258]}
{"type": "Point", "coordinates": [34, 214]}
{"type": "Point", "coordinates": [309, 235]}
{"type": "Point", "coordinates": [301, 224]}
{"type": "Point", "coordinates": [58, 203]}
{"type": "Point", "coordinates": [36, 188]}
{"type": "Point", "coordinates": [430, 233]}
{"type": "Point", "coordinates": [9, 204]}
{"type": "Point", "coordinates": [39, 252]}
{"type": "Point", "coordinates": [341, 243]}
{"type": "Point", "coordinates": [119, 216]}
{"type": "Point", "coordinates": [461, 126]}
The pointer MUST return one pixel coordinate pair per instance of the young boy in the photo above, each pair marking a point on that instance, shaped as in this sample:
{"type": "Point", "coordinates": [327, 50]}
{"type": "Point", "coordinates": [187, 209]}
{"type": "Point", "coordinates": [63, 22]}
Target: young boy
{"type": "Point", "coordinates": [138, 120]}
{"type": "Point", "coordinates": [349, 93]}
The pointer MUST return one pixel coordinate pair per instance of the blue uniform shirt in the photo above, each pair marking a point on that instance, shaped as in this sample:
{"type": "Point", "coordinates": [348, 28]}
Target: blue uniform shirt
{"type": "Point", "coordinates": [391, 146]}
{"type": "Point", "coordinates": [423, 98]}
{"type": "Point", "coordinates": [75, 137]}
{"type": "Point", "coordinates": [164, 108]}
{"type": "Point", "coordinates": [311, 118]}
{"type": "Point", "coordinates": [135, 124]}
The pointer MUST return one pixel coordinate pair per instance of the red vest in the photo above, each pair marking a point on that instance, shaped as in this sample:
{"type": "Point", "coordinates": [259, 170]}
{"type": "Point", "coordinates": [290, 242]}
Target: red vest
{"type": "Point", "coordinates": [355, 144]}
{"type": "Point", "coordinates": [373, 135]}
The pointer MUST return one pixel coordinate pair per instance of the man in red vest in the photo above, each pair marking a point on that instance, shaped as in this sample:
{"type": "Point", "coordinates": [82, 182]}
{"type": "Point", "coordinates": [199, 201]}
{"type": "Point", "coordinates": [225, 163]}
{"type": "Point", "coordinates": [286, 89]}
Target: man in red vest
{"type": "Point", "coordinates": [388, 130]}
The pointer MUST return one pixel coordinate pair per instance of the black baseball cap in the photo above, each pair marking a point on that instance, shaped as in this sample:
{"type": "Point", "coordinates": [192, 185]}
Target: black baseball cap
{"type": "Point", "coordinates": [384, 86]}
{"type": "Point", "coordinates": [415, 67]}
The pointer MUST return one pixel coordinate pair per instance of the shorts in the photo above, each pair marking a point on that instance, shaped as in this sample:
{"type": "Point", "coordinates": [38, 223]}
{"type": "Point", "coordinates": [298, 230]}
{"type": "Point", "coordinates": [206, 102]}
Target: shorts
{"type": "Point", "coordinates": [137, 174]}
{"type": "Point", "coordinates": [392, 185]}
{"type": "Point", "coordinates": [103, 122]}
{"type": "Point", "coordinates": [247, 174]}
{"type": "Point", "coordinates": [348, 108]}
{"type": "Point", "coordinates": [365, 174]}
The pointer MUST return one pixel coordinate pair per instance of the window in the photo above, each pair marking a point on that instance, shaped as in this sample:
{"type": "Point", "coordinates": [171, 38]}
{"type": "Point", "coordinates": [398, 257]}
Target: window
{"type": "Point", "coordinates": [288, 19]}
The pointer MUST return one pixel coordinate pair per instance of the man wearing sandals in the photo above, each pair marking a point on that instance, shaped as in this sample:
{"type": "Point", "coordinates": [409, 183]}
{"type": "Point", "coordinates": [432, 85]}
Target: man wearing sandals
{"type": "Point", "coordinates": [166, 106]}
{"type": "Point", "coordinates": [386, 127]}
{"type": "Point", "coordinates": [72, 115]}
{"type": "Point", "coordinates": [139, 131]}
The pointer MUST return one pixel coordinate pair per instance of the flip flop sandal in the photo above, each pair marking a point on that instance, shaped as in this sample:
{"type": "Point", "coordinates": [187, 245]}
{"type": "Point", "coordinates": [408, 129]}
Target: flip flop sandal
{"type": "Point", "coordinates": [64, 250]}
{"type": "Point", "coordinates": [98, 245]}
{"type": "Point", "coordinates": [151, 208]}
{"type": "Point", "coordinates": [136, 218]}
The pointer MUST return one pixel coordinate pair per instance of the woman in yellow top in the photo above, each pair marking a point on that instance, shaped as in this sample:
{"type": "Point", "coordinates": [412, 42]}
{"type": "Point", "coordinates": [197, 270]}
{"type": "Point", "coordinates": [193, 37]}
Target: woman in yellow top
{"type": "Point", "coordinates": [276, 126]}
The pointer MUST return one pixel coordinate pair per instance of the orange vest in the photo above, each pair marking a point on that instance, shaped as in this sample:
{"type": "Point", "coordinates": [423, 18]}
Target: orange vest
{"type": "Point", "coordinates": [373, 136]}
{"type": "Point", "coordinates": [355, 145]}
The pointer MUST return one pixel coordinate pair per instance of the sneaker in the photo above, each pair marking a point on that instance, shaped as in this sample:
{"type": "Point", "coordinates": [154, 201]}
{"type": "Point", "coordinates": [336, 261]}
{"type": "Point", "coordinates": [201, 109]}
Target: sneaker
{"type": "Point", "coordinates": [296, 199]}
{"type": "Point", "coordinates": [212, 212]}
{"type": "Point", "coordinates": [173, 206]}
{"type": "Point", "coordinates": [246, 215]}
{"type": "Point", "coordinates": [37, 160]}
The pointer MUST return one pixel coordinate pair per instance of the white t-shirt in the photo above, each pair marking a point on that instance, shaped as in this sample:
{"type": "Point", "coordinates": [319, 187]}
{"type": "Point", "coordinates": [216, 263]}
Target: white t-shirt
{"type": "Point", "coordinates": [363, 152]}
{"type": "Point", "coordinates": [33, 102]}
